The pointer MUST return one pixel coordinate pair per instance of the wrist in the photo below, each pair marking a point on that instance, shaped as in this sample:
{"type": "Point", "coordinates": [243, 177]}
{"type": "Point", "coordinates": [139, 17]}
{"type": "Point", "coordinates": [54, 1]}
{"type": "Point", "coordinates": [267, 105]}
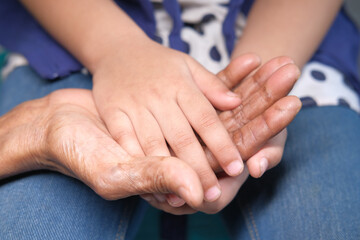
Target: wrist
{"type": "Point", "coordinates": [113, 49]}
{"type": "Point", "coordinates": [22, 137]}
{"type": "Point", "coordinates": [128, 53]}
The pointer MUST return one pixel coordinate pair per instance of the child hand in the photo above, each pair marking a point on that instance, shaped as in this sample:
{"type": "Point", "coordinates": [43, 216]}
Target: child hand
{"type": "Point", "coordinates": [154, 96]}
{"type": "Point", "coordinates": [256, 126]}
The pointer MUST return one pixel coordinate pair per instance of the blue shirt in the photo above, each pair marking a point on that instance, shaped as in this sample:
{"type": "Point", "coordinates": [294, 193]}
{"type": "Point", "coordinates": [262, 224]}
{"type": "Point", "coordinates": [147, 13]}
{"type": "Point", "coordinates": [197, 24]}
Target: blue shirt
{"type": "Point", "coordinates": [22, 34]}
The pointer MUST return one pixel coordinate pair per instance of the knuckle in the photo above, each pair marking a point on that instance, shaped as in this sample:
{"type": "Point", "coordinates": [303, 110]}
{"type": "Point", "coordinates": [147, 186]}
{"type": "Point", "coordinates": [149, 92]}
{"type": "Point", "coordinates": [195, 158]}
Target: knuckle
{"type": "Point", "coordinates": [61, 142]}
{"type": "Point", "coordinates": [157, 180]}
{"type": "Point", "coordinates": [152, 143]}
{"type": "Point", "coordinates": [206, 175]}
{"type": "Point", "coordinates": [257, 80]}
{"type": "Point", "coordinates": [244, 140]}
{"type": "Point", "coordinates": [159, 183]}
{"type": "Point", "coordinates": [182, 141]}
{"type": "Point", "coordinates": [252, 135]}
{"type": "Point", "coordinates": [266, 96]}
{"type": "Point", "coordinates": [266, 124]}
{"type": "Point", "coordinates": [106, 182]}
{"type": "Point", "coordinates": [103, 188]}
{"type": "Point", "coordinates": [121, 134]}
{"type": "Point", "coordinates": [207, 120]}
{"type": "Point", "coordinates": [229, 76]}
{"type": "Point", "coordinates": [156, 93]}
{"type": "Point", "coordinates": [224, 149]}
{"type": "Point", "coordinates": [228, 120]}
{"type": "Point", "coordinates": [240, 116]}
{"type": "Point", "coordinates": [56, 96]}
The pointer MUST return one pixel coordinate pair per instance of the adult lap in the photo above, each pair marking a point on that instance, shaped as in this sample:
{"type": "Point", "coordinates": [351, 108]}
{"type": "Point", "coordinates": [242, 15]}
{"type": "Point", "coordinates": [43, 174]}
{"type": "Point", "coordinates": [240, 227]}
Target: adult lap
{"type": "Point", "coordinates": [49, 205]}
{"type": "Point", "coordinates": [314, 192]}
{"type": "Point", "coordinates": [24, 84]}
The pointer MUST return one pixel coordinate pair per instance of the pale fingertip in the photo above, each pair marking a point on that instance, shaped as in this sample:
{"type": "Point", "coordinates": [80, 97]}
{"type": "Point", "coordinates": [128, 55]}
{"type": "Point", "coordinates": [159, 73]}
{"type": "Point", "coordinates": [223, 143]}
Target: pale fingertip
{"type": "Point", "coordinates": [263, 165]}
{"type": "Point", "coordinates": [212, 194]}
{"type": "Point", "coordinates": [235, 167]}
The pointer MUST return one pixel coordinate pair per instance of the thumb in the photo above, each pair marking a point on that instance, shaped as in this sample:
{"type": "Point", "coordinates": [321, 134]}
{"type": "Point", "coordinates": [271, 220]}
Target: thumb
{"type": "Point", "coordinates": [214, 88]}
{"type": "Point", "coordinates": [152, 175]}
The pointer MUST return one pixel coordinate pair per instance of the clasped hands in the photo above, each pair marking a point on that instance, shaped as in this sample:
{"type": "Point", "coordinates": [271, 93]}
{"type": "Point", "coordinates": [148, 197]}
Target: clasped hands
{"type": "Point", "coordinates": [74, 140]}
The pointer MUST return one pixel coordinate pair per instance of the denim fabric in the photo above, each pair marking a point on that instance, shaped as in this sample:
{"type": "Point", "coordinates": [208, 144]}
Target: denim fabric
{"type": "Point", "coordinates": [25, 84]}
{"type": "Point", "coordinates": [48, 205]}
{"type": "Point", "coordinates": [314, 193]}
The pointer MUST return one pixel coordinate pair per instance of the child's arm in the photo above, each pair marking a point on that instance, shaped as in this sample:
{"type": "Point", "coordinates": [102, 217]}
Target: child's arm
{"type": "Point", "coordinates": [145, 93]}
{"type": "Point", "coordinates": [287, 28]}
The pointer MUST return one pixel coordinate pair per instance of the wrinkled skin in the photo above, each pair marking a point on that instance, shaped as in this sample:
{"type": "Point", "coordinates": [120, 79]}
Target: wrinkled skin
{"type": "Point", "coordinates": [148, 103]}
{"type": "Point", "coordinates": [73, 140]}
{"type": "Point", "coordinates": [256, 126]}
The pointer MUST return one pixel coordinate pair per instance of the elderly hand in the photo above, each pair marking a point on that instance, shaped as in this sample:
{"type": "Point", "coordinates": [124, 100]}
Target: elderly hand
{"type": "Point", "coordinates": [64, 132]}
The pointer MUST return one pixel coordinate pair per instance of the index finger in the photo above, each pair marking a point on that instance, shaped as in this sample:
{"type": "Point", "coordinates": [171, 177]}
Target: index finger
{"type": "Point", "coordinates": [203, 118]}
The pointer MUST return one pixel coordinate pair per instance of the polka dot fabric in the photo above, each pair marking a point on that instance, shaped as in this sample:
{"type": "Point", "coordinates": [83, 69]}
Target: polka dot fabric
{"type": "Point", "coordinates": [202, 30]}
{"type": "Point", "coordinates": [319, 84]}
{"type": "Point", "coordinates": [202, 33]}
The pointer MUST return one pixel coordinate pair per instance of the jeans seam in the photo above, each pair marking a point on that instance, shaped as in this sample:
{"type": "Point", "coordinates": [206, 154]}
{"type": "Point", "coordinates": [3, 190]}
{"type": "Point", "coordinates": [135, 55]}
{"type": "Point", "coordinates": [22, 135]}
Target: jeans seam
{"type": "Point", "coordinates": [251, 215]}
{"type": "Point", "coordinates": [117, 236]}
{"type": "Point", "coordinates": [120, 235]}
{"type": "Point", "coordinates": [250, 222]}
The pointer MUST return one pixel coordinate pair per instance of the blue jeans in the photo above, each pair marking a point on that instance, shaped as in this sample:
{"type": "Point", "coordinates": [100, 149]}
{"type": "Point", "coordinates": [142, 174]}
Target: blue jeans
{"type": "Point", "coordinates": [49, 205]}
{"type": "Point", "coordinates": [314, 193]}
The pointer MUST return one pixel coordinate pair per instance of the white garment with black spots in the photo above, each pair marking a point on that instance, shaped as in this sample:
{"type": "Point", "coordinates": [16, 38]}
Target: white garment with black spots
{"type": "Point", "coordinates": [203, 21]}
{"type": "Point", "coordinates": [319, 84]}
{"type": "Point", "coordinates": [322, 85]}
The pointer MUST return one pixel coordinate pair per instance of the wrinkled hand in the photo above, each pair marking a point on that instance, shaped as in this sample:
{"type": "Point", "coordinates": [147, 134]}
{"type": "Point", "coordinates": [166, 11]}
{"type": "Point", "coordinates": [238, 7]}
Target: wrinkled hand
{"type": "Point", "coordinates": [158, 96]}
{"type": "Point", "coordinates": [264, 91]}
{"type": "Point", "coordinates": [263, 113]}
{"type": "Point", "coordinates": [71, 138]}
{"type": "Point", "coordinates": [63, 132]}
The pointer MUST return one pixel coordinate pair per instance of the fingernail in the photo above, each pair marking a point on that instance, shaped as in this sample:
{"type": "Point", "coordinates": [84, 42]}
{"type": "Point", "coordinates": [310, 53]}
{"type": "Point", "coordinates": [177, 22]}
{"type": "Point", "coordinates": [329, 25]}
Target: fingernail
{"type": "Point", "coordinates": [232, 94]}
{"type": "Point", "coordinates": [212, 194]}
{"type": "Point", "coordinates": [160, 197]}
{"type": "Point", "coordinates": [235, 168]}
{"type": "Point", "coordinates": [264, 163]}
{"type": "Point", "coordinates": [175, 201]}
